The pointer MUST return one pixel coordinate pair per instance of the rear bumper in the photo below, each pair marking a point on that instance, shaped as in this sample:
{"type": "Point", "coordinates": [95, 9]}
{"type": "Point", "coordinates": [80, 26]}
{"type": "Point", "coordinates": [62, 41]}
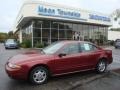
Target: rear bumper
{"type": "Point", "coordinates": [110, 60]}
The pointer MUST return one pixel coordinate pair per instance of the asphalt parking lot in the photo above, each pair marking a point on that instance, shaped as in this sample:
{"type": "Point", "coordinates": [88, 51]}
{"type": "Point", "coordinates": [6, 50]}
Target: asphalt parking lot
{"type": "Point", "coordinates": [56, 83]}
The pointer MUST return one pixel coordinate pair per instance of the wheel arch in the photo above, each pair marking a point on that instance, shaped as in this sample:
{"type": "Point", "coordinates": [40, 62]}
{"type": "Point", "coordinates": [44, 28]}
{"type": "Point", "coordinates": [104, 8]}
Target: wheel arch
{"type": "Point", "coordinates": [103, 58]}
{"type": "Point", "coordinates": [39, 65]}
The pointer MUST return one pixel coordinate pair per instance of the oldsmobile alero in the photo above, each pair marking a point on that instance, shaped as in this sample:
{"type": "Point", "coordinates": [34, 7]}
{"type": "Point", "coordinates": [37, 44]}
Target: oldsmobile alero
{"type": "Point", "coordinates": [59, 58]}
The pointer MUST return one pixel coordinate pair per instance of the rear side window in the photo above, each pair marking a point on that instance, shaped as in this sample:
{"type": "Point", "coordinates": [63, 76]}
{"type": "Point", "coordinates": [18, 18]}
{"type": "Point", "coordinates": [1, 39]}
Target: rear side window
{"type": "Point", "coordinates": [71, 49]}
{"type": "Point", "coordinates": [86, 47]}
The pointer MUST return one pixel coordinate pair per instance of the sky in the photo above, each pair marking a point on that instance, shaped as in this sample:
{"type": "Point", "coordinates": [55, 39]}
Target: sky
{"type": "Point", "coordinates": [10, 8]}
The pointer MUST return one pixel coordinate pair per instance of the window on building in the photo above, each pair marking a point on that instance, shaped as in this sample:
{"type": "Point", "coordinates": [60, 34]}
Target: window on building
{"type": "Point", "coordinates": [54, 25]}
{"type": "Point", "coordinates": [46, 33]}
{"type": "Point", "coordinates": [75, 27]}
{"type": "Point", "coordinates": [54, 33]}
{"type": "Point", "coordinates": [46, 24]}
{"type": "Point", "coordinates": [61, 25]}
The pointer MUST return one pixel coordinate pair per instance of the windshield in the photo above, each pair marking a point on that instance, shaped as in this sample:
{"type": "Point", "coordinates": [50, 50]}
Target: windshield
{"type": "Point", "coordinates": [10, 41]}
{"type": "Point", "coordinates": [118, 40]}
{"type": "Point", "coordinates": [53, 48]}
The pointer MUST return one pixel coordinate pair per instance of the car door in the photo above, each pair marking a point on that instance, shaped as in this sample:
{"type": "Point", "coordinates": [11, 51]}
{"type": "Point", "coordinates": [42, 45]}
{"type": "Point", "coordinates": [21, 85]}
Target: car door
{"type": "Point", "coordinates": [70, 62]}
{"type": "Point", "coordinates": [91, 55]}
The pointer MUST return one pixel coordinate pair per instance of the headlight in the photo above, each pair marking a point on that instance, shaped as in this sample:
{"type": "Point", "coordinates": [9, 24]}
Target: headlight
{"type": "Point", "coordinates": [13, 66]}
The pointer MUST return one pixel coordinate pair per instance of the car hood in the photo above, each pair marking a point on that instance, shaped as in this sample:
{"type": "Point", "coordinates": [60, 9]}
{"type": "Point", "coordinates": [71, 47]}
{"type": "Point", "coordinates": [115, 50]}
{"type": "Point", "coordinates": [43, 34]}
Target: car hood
{"type": "Point", "coordinates": [29, 56]}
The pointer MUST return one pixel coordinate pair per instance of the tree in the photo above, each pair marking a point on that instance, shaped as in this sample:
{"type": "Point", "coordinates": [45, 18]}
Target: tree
{"type": "Point", "coordinates": [116, 14]}
{"type": "Point", "coordinates": [3, 36]}
{"type": "Point", "coordinates": [10, 34]}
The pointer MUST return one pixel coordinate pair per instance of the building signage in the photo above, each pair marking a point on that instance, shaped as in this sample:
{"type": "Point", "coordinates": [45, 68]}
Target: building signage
{"type": "Point", "coordinates": [99, 18]}
{"type": "Point", "coordinates": [59, 12]}
{"type": "Point", "coordinates": [70, 14]}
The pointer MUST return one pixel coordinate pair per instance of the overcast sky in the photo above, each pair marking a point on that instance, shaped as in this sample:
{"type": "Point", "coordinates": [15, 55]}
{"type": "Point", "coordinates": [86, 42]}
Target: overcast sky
{"type": "Point", "coordinates": [10, 8]}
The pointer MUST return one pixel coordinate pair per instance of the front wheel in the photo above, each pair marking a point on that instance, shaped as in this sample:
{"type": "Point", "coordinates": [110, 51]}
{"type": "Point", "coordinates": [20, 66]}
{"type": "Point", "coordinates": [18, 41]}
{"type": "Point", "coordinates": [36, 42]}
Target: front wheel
{"type": "Point", "coordinates": [38, 75]}
{"type": "Point", "coordinates": [6, 48]}
{"type": "Point", "coordinates": [116, 47]}
{"type": "Point", "coordinates": [101, 66]}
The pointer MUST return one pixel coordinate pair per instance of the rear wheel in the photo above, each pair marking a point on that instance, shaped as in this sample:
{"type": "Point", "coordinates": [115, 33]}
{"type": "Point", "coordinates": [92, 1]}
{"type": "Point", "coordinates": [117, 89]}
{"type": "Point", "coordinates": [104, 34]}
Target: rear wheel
{"type": "Point", "coordinates": [39, 75]}
{"type": "Point", "coordinates": [101, 66]}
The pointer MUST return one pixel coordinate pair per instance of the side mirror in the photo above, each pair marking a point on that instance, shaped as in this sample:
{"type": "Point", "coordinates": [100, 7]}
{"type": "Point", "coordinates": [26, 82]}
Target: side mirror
{"type": "Point", "coordinates": [61, 55]}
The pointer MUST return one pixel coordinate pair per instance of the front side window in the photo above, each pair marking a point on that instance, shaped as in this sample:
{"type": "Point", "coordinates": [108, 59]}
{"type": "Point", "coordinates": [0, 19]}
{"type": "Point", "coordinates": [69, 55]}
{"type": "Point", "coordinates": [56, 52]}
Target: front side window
{"type": "Point", "coordinates": [86, 47]}
{"type": "Point", "coordinates": [53, 48]}
{"type": "Point", "coordinates": [71, 49]}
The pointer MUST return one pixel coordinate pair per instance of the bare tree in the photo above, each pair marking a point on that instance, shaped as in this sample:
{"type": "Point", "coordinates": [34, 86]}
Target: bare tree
{"type": "Point", "coordinates": [116, 14]}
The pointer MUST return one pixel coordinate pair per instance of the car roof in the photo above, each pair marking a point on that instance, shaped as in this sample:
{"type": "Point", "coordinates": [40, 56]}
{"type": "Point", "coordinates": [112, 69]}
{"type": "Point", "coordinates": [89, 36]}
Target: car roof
{"type": "Point", "coordinates": [74, 41]}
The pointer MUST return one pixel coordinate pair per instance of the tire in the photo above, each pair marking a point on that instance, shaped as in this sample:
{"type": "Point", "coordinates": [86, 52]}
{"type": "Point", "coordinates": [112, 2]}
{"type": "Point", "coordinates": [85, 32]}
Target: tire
{"type": "Point", "coordinates": [6, 48]}
{"type": "Point", "coordinates": [17, 48]}
{"type": "Point", "coordinates": [36, 74]}
{"type": "Point", "coordinates": [101, 66]}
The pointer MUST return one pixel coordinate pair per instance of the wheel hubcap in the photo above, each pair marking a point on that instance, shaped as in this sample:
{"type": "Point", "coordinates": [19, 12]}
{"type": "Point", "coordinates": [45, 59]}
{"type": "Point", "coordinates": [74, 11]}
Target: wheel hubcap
{"type": "Point", "coordinates": [39, 76]}
{"type": "Point", "coordinates": [102, 66]}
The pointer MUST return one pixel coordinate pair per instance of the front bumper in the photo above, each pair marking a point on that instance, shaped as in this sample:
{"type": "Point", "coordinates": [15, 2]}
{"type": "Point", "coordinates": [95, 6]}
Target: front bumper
{"type": "Point", "coordinates": [11, 47]}
{"type": "Point", "coordinates": [15, 73]}
{"type": "Point", "coordinates": [117, 46]}
{"type": "Point", "coordinates": [111, 60]}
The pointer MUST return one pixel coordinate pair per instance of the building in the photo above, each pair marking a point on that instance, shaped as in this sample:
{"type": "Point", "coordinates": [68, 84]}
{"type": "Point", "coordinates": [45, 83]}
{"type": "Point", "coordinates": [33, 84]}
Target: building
{"type": "Point", "coordinates": [45, 23]}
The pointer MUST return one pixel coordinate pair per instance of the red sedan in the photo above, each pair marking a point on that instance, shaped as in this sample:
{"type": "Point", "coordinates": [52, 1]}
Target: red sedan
{"type": "Point", "coordinates": [59, 58]}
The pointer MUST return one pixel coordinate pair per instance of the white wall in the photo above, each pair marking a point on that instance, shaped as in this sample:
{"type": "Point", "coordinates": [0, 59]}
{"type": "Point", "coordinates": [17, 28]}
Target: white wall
{"type": "Point", "coordinates": [113, 35]}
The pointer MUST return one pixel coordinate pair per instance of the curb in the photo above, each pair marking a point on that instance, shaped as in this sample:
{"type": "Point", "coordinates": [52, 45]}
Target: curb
{"type": "Point", "coordinates": [115, 73]}
{"type": "Point", "coordinates": [85, 81]}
